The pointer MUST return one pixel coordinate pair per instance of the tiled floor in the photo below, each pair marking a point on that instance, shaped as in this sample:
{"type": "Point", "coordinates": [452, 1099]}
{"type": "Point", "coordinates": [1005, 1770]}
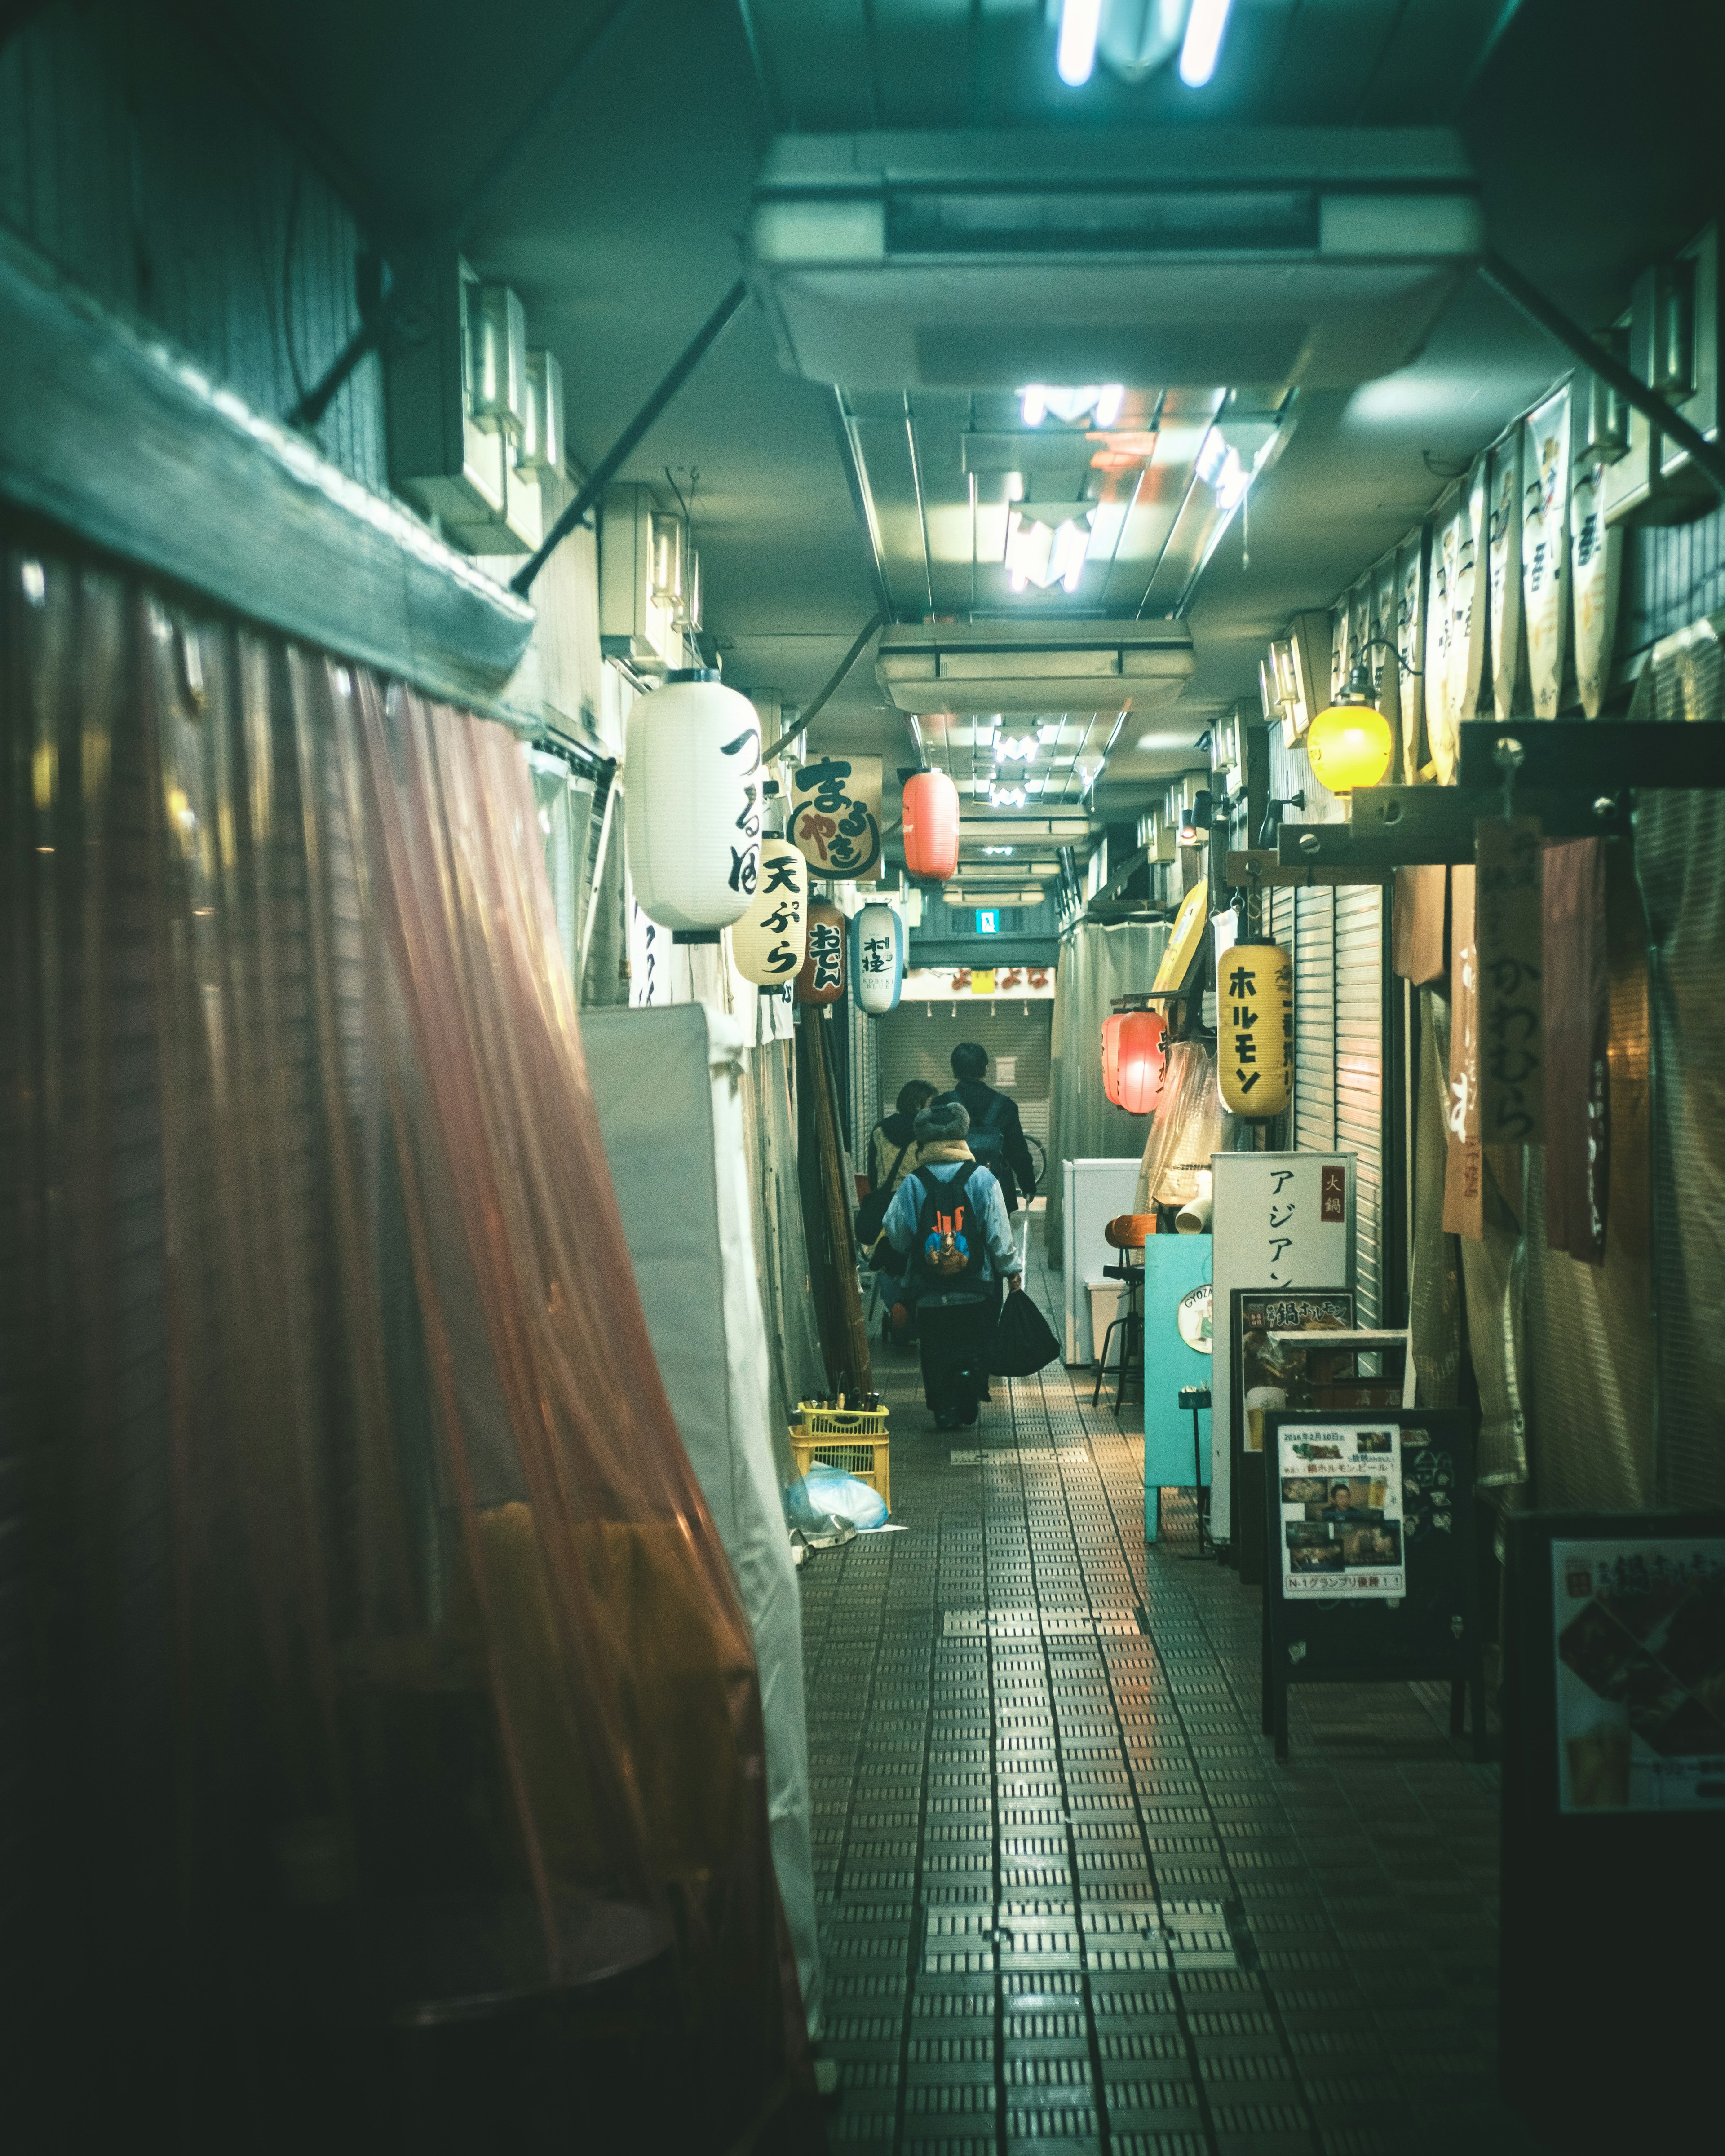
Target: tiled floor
{"type": "Point", "coordinates": [1070, 1902]}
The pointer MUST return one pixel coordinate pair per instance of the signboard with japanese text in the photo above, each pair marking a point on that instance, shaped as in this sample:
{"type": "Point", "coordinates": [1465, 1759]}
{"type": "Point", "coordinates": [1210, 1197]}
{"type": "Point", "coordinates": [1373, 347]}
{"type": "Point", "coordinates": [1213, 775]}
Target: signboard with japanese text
{"type": "Point", "coordinates": [1545, 548]}
{"type": "Point", "coordinates": [1509, 930]}
{"type": "Point", "coordinates": [1639, 1630]}
{"type": "Point", "coordinates": [1595, 561]}
{"type": "Point", "coordinates": [948, 983]}
{"type": "Point", "coordinates": [1340, 1531]}
{"type": "Point", "coordinates": [835, 816]}
{"type": "Point", "coordinates": [1282, 1221]}
{"type": "Point", "coordinates": [1371, 1576]}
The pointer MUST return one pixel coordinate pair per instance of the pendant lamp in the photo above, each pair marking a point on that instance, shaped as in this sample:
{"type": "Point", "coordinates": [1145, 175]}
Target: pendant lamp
{"type": "Point", "coordinates": [1141, 1057]}
{"type": "Point", "coordinates": [877, 957]}
{"type": "Point", "coordinates": [1350, 742]}
{"type": "Point", "coordinates": [692, 805]}
{"type": "Point", "coordinates": [1255, 1029]}
{"type": "Point", "coordinates": [931, 826]}
{"type": "Point", "coordinates": [822, 979]}
{"type": "Point", "coordinates": [771, 940]}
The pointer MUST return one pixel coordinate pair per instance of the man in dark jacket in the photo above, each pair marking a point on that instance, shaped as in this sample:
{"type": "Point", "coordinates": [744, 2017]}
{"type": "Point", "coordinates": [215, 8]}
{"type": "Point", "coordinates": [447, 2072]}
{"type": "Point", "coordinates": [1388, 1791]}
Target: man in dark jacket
{"type": "Point", "coordinates": [990, 1111]}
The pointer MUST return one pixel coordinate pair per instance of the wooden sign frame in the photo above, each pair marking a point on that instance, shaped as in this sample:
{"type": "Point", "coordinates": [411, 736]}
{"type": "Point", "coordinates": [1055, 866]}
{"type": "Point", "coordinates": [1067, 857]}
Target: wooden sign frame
{"type": "Point", "coordinates": [1247, 1529]}
{"type": "Point", "coordinates": [1434, 1633]}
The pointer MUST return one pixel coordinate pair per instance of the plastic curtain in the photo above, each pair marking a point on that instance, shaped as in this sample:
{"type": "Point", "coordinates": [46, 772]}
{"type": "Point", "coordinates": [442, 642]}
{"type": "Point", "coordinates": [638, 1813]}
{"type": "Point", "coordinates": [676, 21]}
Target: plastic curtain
{"type": "Point", "coordinates": [1097, 963]}
{"type": "Point", "coordinates": [1186, 1129]}
{"type": "Point", "coordinates": [380, 1654]}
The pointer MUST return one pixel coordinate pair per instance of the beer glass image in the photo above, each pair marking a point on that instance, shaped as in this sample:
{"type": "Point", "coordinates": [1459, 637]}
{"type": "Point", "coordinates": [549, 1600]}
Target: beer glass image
{"type": "Point", "coordinates": [1600, 1768]}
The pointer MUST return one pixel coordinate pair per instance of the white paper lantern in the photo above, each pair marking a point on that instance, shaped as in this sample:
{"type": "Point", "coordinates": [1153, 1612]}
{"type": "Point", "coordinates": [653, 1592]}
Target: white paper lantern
{"type": "Point", "coordinates": [877, 957]}
{"type": "Point", "coordinates": [770, 942]}
{"type": "Point", "coordinates": [692, 796]}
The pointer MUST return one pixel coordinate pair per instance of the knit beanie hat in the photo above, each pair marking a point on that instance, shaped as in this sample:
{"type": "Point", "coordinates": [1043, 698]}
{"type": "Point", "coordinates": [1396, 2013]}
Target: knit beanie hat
{"type": "Point", "coordinates": [941, 1120]}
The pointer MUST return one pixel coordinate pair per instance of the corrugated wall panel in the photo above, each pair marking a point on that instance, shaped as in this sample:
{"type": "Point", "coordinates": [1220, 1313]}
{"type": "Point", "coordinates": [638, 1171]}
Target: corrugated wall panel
{"type": "Point", "coordinates": [1359, 1076]}
{"type": "Point", "coordinates": [1314, 1020]}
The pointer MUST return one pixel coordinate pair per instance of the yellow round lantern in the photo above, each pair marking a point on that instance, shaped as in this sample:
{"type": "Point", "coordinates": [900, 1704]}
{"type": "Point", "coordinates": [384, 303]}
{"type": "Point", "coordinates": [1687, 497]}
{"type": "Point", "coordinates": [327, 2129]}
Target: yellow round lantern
{"type": "Point", "coordinates": [1255, 1029]}
{"type": "Point", "coordinates": [1350, 744]}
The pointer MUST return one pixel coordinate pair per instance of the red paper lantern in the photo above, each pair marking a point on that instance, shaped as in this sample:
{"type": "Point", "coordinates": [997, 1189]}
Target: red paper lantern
{"type": "Point", "coordinates": [822, 979]}
{"type": "Point", "coordinates": [1111, 1056]}
{"type": "Point", "coordinates": [1141, 1053]}
{"type": "Point", "coordinates": [930, 830]}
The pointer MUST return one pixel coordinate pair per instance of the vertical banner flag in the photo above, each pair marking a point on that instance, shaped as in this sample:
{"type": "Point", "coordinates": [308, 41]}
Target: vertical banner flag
{"type": "Point", "coordinates": [1411, 648]}
{"type": "Point", "coordinates": [1509, 662]}
{"type": "Point", "coordinates": [1509, 896]}
{"type": "Point", "coordinates": [835, 817]}
{"type": "Point", "coordinates": [1593, 557]}
{"type": "Point", "coordinates": [1545, 547]}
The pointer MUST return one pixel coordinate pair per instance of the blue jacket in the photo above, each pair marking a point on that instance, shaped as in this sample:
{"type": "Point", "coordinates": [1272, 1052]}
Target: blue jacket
{"type": "Point", "coordinates": [1001, 1254]}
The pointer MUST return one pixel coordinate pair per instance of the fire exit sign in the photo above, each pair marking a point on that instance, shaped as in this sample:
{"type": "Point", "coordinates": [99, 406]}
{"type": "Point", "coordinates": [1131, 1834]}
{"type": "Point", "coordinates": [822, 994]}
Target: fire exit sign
{"type": "Point", "coordinates": [988, 920]}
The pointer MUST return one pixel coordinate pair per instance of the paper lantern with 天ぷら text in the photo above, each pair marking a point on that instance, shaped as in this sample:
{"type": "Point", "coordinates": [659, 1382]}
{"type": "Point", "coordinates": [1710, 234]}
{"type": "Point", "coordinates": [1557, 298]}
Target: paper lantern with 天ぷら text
{"type": "Point", "coordinates": [1255, 1029]}
{"type": "Point", "coordinates": [1142, 1056]}
{"type": "Point", "coordinates": [931, 826]}
{"type": "Point", "coordinates": [822, 979]}
{"type": "Point", "coordinates": [770, 942]}
{"type": "Point", "coordinates": [877, 958]}
{"type": "Point", "coordinates": [692, 805]}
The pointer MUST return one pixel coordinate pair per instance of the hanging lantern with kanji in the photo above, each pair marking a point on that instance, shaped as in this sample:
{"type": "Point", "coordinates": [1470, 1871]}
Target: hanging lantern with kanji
{"type": "Point", "coordinates": [877, 957]}
{"type": "Point", "coordinates": [931, 826]}
{"type": "Point", "coordinates": [692, 805]}
{"type": "Point", "coordinates": [821, 978]}
{"type": "Point", "coordinates": [1141, 1055]}
{"type": "Point", "coordinates": [770, 942]}
{"type": "Point", "coordinates": [1255, 1029]}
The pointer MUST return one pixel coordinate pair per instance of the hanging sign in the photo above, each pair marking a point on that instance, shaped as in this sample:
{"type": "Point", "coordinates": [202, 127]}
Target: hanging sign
{"type": "Point", "coordinates": [1545, 547]}
{"type": "Point", "coordinates": [1183, 939]}
{"type": "Point", "coordinates": [822, 977]}
{"type": "Point", "coordinates": [835, 816]}
{"type": "Point", "coordinates": [1509, 930]}
{"type": "Point", "coordinates": [1439, 634]}
{"type": "Point", "coordinates": [1594, 559]}
{"type": "Point", "coordinates": [941, 985]}
{"type": "Point", "coordinates": [877, 957]}
{"type": "Point", "coordinates": [1503, 540]}
{"type": "Point", "coordinates": [1467, 642]}
{"type": "Point", "coordinates": [1410, 647]}
{"type": "Point", "coordinates": [1464, 1161]}
{"type": "Point", "coordinates": [1255, 1029]}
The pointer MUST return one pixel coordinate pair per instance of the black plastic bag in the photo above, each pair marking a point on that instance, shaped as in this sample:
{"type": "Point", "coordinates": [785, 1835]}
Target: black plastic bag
{"type": "Point", "coordinates": [1024, 1343]}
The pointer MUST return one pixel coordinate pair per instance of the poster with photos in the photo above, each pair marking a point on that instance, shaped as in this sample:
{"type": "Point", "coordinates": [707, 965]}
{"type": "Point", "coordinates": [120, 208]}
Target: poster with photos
{"type": "Point", "coordinates": [1640, 1675]}
{"type": "Point", "coordinates": [1342, 1510]}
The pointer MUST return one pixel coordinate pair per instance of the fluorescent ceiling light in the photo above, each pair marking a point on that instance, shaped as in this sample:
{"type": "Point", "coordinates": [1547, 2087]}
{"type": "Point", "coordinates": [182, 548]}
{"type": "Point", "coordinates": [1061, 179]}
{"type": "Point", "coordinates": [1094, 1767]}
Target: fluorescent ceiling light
{"type": "Point", "coordinates": [1101, 400]}
{"type": "Point", "coordinates": [997, 850]}
{"type": "Point", "coordinates": [1204, 41]}
{"type": "Point", "coordinates": [1016, 749]}
{"type": "Point", "coordinates": [1042, 554]}
{"type": "Point", "coordinates": [1075, 54]}
{"type": "Point", "coordinates": [1006, 797]}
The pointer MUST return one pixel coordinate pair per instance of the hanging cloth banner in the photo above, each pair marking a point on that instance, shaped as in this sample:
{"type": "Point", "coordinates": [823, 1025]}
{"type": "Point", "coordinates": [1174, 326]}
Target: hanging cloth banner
{"type": "Point", "coordinates": [1439, 631]}
{"type": "Point", "coordinates": [1386, 675]}
{"type": "Point", "coordinates": [1595, 555]}
{"type": "Point", "coordinates": [1509, 932]}
{"type": "Point", "coordinates": [1410, 647]}
{"type": "Point", "coordinates": [1545, 547]}
{"type": "Point", "coordinates": [1509, 645]}
{"type": "Point", "coordinates": [835, 816]}
{"type": "Point", "coordinates": [1465, 1164]}
{"type": "Point", "coordinates": [1467, 642]}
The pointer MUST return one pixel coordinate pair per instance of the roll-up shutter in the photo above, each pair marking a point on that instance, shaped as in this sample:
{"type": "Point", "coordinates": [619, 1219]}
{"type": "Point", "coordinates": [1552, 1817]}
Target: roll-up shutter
{"type": "Point", "coordinates": [916, 1041]}
{"type": "Point", "coordinates": [1359, 1076]}
{"type": "Point", "coordinates": [1315, 1019]}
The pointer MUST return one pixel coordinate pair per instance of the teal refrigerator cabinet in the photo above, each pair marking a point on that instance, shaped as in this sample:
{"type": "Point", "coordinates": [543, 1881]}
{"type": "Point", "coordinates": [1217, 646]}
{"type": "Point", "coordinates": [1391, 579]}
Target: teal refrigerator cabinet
{"type": "Point", "coordinates": [1177, 1343]}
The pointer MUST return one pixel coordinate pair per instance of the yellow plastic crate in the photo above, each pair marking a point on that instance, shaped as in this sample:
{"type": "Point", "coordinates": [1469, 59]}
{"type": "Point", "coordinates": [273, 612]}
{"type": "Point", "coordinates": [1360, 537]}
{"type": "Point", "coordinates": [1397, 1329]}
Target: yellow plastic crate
{"type": "Point", "coordinates": [839, 1422]}
{"type": "Point", "coordinates": [863, 1456]}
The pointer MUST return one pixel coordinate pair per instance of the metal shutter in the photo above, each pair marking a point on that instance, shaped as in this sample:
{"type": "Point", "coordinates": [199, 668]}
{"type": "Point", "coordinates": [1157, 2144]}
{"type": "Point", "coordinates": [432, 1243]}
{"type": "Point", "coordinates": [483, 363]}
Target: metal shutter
{"type": "Point", "coordinates": [1278, 923]}
{"type": "Point", "coordinates": [917, 1040]}
{"type": "Point", "coordinates": [1359, 1076]}
{"type": "Point", "coordinates": [1315, 1019]}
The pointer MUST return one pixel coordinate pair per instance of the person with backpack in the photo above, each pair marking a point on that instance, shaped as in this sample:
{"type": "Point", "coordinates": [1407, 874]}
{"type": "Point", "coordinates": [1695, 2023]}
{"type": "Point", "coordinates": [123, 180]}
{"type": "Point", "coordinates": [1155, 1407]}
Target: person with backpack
{"type": "Point", "coordinates": [997, 1136]}
{"type": "Point", "coordinates": [949, 1218]}
{"type": "Point", "coordinates": [892, 1155]}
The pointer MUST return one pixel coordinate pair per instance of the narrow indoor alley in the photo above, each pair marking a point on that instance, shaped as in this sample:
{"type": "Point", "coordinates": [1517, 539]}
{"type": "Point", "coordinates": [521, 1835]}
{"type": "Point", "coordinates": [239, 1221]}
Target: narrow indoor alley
{"type": "Point", "coordinates": [1068, 1900]}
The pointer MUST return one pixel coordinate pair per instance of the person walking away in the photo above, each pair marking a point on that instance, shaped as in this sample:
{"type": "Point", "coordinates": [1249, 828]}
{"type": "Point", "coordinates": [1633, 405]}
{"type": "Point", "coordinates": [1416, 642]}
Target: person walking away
{"type": "Point", "coordinates": [997, 1136]}
{"type": "Point", "coordinates": [891, 1157]}
{"type": "Point", "coordinates": [949, 1218]}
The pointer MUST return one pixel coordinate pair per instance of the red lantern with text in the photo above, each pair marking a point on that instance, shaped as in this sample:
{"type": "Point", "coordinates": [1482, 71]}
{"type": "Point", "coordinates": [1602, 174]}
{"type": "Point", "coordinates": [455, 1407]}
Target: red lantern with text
{"type": "Point", "coordinates": [931, 830]}
{"type": "Point", "coordinates": [1143, 1056]}
{"type": "Point", "coordinates": [1111, 1056]}
{"type": "Point", "coordinates": [822, 979]}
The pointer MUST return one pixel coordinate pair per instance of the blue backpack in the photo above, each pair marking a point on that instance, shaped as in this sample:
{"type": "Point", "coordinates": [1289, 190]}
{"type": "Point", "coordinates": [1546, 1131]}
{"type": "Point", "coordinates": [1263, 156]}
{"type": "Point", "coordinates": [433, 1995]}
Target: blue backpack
{"type": "Point", "coordinates": [951, 1239]}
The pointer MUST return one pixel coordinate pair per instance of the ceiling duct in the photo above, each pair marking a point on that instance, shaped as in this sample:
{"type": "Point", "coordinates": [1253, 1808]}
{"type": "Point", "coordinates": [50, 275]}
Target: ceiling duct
{"type": "Point", "coordinates": [1317, 257]}
{"type": "Point", "coordinates": [1040, 667]}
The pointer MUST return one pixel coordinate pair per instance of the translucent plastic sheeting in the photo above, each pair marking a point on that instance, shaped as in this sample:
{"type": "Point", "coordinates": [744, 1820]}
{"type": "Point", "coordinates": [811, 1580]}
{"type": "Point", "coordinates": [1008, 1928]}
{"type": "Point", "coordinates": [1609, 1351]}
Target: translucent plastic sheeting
{"type": "Point", "coordinates": [1185, 1130]}
{"type": "Point", "coordinates": [1097, 963]}
{"type": "Point", "coordinates": [372, 1656]}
